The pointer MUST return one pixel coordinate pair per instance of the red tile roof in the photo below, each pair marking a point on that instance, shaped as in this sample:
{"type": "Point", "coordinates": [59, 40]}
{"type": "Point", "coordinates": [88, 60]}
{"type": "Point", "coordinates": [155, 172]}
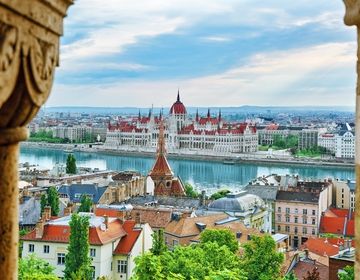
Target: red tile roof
{"type": "Point", "coordinates": [350, 228]}
{"type": "Point", "coordinates": [333, 225]}
{"type": "Point", "coordinates": [128, 241]}
{"type": "Point", "coordinates": [322, 246]}
{"type": "Point", "coordinates": [161, 168]}
{"type": "Point", "coordinates": [61, 233]}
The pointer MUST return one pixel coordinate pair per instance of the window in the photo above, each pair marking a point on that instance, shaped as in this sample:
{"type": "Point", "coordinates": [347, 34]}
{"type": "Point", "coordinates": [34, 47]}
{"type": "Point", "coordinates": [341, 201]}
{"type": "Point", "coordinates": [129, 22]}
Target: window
{"type": "Point", "coordinates": [61, 258]}
{"type": "Point", "coordinates": [295, 220]}
{"type": "Point", "coordinates": [313, 231]}
{"type": "Point", "coordinates": [92, 272]}
{"type": "Point", "coordinates": [92, 252]}
{"type": "Point", "coordinates": [287, 228]}
{"type": "Point", "coordinates": [279, 228]}
{"type": "Point", "coordinates": [287, 219]}
{"type": "Point", "coordinates": [313, 221]}
{"type": "Point", "coordinates": [304, 220]}
{"type": "Point", "coordinates": [31, 247]}
{"type": "Point", "coordinates": [287, 210]}
{"type": "Point", "coordinates": [279, 218]}
{"type": "Point", "coordinates": [46, 249]}
{"type": "Point", "coordinates": [295, 230]}
{"type": "Point", "coordinates": [305, 211]}
{"type": "Point", "coordinates": [279, 209]}
{"type": "Point", "coordinates": [122, 266]}
{"type": "Point", "coordinates": [313, 212]}
{"type": "Point", "coordinates": [304, 230]}
{"type": "Point", "coordinates": [296, 210]}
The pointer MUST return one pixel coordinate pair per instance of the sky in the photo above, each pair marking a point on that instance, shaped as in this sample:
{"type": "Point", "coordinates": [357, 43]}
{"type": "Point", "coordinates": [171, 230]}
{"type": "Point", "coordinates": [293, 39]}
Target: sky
{"type": "Point", "coordinates": [216, 52]}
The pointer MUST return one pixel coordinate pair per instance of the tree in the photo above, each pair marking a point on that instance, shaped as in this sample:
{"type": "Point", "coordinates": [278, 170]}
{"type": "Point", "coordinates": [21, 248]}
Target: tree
{"type": "Point", "coordinates": [226, 275]}
{"type": "Point", "coordinates": [189, 191]}
{"type": "Point", "coordinates": [223, 237]}
{"type": "Point", "coordinates": [35, 268]}
{"type": "Point", "coordinates": [159, 247]}
{"type": "Point", "coordinates": [260, 259]}
{"type": "Point", "coordinates": [85, 203]}
{"type": "Point", "coordinates": [77, 260]}
{"type": "Point", "coordinates": [43, 203]}
{"type": "Point", "coordinates": [71, 164]}
{"type": "Point", "coordinates": [290, 276]}
{"type": "Point", "coordinates": [347, 273]}
{"type": "Point", "coordinates": [148, 267]}
{"type": "Point", "coordinates": [53, 201]}
{"type": "Point", "coordinates": [219, 194]}
{"type": "Point", "coordinates": [313, 275]}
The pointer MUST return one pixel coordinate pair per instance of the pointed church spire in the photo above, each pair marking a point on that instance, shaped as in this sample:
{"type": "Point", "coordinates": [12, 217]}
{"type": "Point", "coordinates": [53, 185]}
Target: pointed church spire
{"type": "Point", "coordinates": [161, 140]}
{"type": "Point", "coordinates": [139, 117]}
{"type": "Point", "coordinates": [149, 113]}
{"type": "Point", "coordinates": [178, 96]}
{"type": "Point", "coordinates": [208, 114]}
{"type": "Point", "coordinates": [197, 115]}
{"type": "Point", "coordinates": [219, 115]}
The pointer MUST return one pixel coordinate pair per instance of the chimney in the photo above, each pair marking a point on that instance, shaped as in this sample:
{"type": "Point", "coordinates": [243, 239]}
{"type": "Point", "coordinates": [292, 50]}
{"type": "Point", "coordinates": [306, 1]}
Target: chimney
{"type": "Point", "coordinates": [106, 221]}
{"type": "Point", "coordinates": [202, 198]}
{"type": "Point", "coordinates": [39, 228]}
{"type": "Point", "coordinates": [47, 213]}
{"type": "Point", "coordinates": [306, 253]}
{"type": "Point", "coordinates": [137, 218]}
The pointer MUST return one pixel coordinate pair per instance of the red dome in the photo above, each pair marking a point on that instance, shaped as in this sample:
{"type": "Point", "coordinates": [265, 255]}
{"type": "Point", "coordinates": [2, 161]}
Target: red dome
{"type": "Point", "coordinates": [178, 107]}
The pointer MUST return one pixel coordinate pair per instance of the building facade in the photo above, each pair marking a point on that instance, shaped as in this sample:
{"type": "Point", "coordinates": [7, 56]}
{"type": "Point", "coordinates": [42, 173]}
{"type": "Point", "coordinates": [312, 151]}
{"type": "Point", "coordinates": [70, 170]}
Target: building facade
{"type": "Point", "coordinates": [209, 133]}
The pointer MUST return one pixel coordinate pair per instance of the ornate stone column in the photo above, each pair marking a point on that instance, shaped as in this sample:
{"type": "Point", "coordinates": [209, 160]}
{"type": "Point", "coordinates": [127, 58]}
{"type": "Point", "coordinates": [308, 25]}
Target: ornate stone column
{"type": "Point", "coordinates": [29, 53]}
{"type": "Point", "coordinates": [352, 17]}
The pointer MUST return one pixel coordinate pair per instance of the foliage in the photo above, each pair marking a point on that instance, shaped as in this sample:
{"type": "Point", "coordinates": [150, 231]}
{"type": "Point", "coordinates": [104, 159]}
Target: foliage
{"type": "Point", "coordinates": [260, 259]}
{"type": "Point", "coordinates": [223, 237]}
{"type": "Point", "coordinates": [314, 151]}
{"type": "Point", "coordinates": [219, 194]}
{"type": "Point", "coordinates": [46, 136]}
{"type": "Point", "coordinates": [290, 276]}
{"type": "Point", "coordinates": [347, 273]}
{"type": "Point", "coordinates": [159, 247]}
{"type": "Point", "coordinates": [85, 204]}
{"type": "Point", "coordinates": [288, 142]}
{"type": "Point", "coordinates": [190, 192]}
{"type": "Point", "coordinates": [53, 201]}
{"type": "Point", "coordinates": [313, 275]}
{"type": "Point", "coordinates": [43, 203]}
{"type": "Point", "coordinates": [77, 260]}
{"type": "Point", "coordinates": [32, 267]}
{"type": "Point", "coordinates": [190, 262]}
{"type": "Point", "coordinates": [71, 164]}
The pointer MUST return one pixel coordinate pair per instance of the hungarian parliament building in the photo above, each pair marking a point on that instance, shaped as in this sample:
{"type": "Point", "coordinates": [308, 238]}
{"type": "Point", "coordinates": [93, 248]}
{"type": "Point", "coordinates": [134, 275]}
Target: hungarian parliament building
{"type": "Point", "coordinates": [207, 134]}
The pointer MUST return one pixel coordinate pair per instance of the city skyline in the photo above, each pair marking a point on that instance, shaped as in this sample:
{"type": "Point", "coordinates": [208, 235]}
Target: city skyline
{"type": "Point", "coordinates": [136, 54]}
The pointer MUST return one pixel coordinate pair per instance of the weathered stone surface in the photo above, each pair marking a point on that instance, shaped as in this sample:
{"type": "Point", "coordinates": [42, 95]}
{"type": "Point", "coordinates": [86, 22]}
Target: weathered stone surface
{"type": "Point", "coordinates": [29, 53]}
{"type": "Point", "coordinates": [352, 17]}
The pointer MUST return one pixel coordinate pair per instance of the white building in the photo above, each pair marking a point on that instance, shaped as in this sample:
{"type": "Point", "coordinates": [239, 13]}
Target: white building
{"type": "Point", "coordinates": [209, 134]}
{"type": "Point", "coordinates": [113, 244]}
{"type": "Point", "coordinates": [328, 141]}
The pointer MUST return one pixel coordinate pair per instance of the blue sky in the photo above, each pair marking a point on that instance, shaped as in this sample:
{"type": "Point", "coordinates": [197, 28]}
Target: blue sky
{"type": "Point", "coordinates": [218, 52]}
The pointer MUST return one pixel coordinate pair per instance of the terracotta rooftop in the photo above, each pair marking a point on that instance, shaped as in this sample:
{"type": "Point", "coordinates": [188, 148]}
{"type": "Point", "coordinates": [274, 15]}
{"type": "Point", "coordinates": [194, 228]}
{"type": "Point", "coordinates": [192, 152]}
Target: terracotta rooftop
{"type": "Point", "coordinates": [322, 246]}
{"type": "Point", "coordinates": [128, 241]}
{"type": "Point", "coordinates": [60, 233]}
{"type": "Point", "coordinates": [336, 221]}
{"type": "Point", "coordinates": [302, 267]}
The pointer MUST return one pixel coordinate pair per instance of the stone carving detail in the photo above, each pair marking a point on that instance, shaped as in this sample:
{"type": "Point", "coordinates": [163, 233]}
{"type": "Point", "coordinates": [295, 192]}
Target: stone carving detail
{"type": "Point", "coordinates": [9, 59]}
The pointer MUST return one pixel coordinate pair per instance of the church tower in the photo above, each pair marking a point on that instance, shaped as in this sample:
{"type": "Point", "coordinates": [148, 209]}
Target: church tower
{"type": "Point", "coordinates": [162, 175]}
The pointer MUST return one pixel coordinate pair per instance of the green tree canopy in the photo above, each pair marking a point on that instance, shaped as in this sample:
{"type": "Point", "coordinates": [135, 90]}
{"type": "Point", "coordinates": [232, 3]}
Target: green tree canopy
{"type": "Point", "coordinates": [77, 260]}
{"type": "Point", "coordinates": [189, 190]}
{"type": "Point", "coordinates": [53, 201]}
{"type": "Point", "coordinates": [260, 259]}
{"type": "Point", "coordinates": [85, 204]}
{"type": "Point", "coordinates": [159, 247]}
{"type": "Point", "coordinates": [347, 273]}
{"type": "Point", "coordinates": [71, 164]}
{"type": "Point", "coordinates": [290, 276]}
{"type": "Point", "coordinates": [219, 194]}
{"type": "Point", "coordinates": [32, 267]}
{"type": "Point", "coordinates": [43, 203]}
{"type": "Point", "coordinates": [223, 237]}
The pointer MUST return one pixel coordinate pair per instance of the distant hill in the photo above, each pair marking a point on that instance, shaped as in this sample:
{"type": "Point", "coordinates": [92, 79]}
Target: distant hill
{"type": "Point", "coordinates": [246, 109]}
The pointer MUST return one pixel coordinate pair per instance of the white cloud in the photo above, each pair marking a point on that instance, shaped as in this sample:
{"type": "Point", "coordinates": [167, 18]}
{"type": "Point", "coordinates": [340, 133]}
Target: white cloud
{"type": "Point", "coordinates": [267, 79]}
{"type": "Point", "coordinates": [217, 39]}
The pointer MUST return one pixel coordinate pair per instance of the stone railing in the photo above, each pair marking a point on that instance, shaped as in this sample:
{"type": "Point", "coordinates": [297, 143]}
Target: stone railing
{"type": "Point", "coordinates": [29, 52]}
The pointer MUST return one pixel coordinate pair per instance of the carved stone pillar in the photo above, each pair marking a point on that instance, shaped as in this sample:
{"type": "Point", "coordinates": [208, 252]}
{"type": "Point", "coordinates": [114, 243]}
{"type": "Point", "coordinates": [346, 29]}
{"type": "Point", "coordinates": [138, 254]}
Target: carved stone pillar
{"type": "Point", "coordinates": [29, 53]}
{"type": "Point", "coordinates": [352, 17]}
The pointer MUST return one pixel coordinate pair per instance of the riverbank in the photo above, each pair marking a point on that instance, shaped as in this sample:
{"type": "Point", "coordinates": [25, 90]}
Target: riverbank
{"type": "Point", "coordinates": [232, 159]}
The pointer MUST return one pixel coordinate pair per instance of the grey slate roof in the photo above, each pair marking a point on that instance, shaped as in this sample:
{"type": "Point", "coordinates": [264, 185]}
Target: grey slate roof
{"type": "Point", "coordinates": [181, 202]}
{"type": "Point", "coordinates": [264, 192]}
{"type": "Point", "coordinates": [298, 196]}
{"type": "Point", "coordinates": [75, 191]}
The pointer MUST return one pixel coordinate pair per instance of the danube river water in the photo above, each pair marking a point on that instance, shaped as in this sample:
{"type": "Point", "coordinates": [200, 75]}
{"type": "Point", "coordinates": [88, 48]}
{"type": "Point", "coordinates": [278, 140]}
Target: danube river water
{"type": "Point", "coordinates": [204, 175]}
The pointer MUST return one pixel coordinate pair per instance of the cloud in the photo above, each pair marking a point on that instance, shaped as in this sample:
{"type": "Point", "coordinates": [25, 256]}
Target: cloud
{"type": "Point", "coordinates": [216, 39]}
{"type": "Point", "coordinates": [267, 78]}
